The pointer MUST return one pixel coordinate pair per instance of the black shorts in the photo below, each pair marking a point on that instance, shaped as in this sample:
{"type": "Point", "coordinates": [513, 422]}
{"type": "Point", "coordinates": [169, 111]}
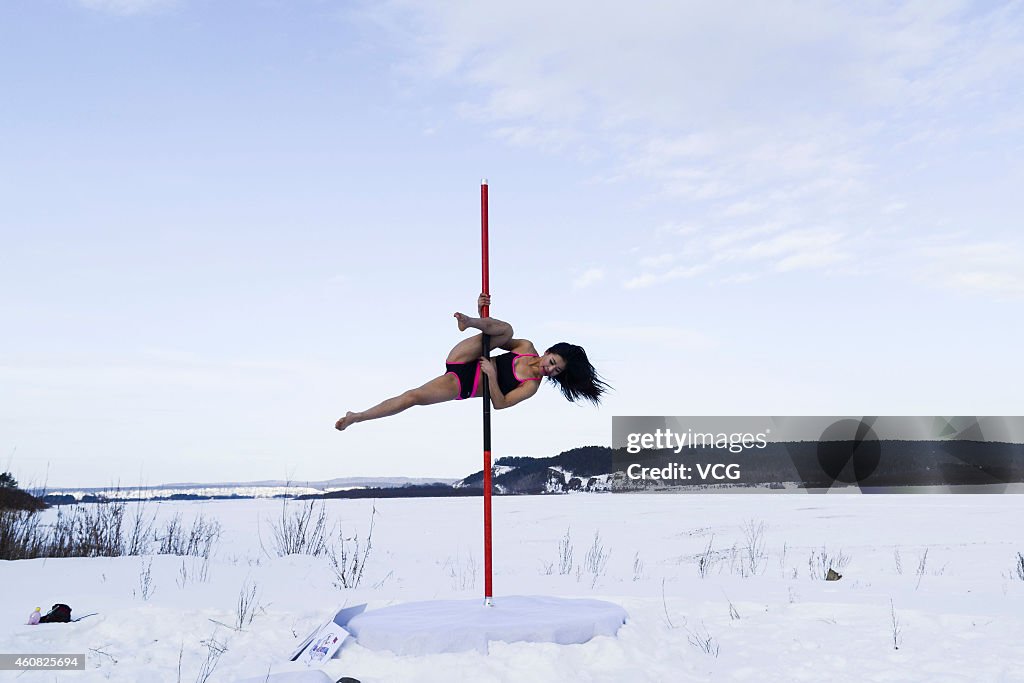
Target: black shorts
{"type": "Point", "coordinates": [468, 375]}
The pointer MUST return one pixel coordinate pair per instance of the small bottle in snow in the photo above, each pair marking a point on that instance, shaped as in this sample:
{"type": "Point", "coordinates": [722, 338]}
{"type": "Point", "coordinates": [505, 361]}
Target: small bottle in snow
{"type": "Point", "coordinates": [33, 618]}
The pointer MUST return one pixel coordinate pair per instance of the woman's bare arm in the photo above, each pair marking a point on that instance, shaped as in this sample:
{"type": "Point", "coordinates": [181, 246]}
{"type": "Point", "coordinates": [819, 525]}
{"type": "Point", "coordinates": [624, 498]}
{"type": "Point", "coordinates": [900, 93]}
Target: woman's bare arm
{"type": "Point", "coordinates": [517, 395]}
{"type": "Point", "coordinates": [520, 346]}
{"type": "Point", "coordinates": [500, 400]}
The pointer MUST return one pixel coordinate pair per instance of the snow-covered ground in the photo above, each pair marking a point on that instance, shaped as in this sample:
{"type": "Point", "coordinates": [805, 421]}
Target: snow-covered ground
{"type": "Point", "coordinates": [752, 616]}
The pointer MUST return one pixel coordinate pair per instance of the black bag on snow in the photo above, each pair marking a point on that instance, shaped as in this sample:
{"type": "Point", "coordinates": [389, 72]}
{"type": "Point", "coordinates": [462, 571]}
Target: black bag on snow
{"type": "Point", "coordinates": [59, 613]}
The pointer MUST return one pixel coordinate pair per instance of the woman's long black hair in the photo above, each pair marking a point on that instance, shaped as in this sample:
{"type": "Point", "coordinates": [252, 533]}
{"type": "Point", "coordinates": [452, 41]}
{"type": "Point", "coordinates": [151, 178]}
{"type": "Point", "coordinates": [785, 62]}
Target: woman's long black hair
{"type": "Point", "coordinates": [579, 379]}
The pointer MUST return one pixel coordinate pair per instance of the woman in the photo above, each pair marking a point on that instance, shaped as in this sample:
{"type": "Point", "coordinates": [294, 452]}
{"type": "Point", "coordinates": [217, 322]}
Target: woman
{"type": "Point", "coordinates": [511, 377]}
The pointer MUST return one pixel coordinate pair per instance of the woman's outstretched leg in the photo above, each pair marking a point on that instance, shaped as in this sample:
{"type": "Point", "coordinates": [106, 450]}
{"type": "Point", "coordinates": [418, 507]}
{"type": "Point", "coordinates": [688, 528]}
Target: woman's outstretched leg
{"type": "Point", "coordinates": [468, 350]}
{"type": "Point", "coordinates": [437, 390]}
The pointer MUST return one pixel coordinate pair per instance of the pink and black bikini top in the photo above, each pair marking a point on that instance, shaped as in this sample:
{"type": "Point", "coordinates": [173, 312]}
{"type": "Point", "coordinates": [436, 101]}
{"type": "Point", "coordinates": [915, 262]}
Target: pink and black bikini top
{"type": "Point", "coordinates": [505, 364]}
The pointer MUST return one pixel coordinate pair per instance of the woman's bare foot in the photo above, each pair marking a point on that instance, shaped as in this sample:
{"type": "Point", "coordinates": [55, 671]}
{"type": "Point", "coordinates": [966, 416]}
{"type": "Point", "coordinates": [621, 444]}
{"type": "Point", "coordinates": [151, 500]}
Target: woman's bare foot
{"type": "Point", "coordinates": [464, 321]}
{"type": "Point", "coordinates": [349, 418]}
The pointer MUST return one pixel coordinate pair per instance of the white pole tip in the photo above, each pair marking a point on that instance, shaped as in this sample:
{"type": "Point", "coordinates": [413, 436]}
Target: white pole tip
{"type": "Point", "coordinates": [484, 181]}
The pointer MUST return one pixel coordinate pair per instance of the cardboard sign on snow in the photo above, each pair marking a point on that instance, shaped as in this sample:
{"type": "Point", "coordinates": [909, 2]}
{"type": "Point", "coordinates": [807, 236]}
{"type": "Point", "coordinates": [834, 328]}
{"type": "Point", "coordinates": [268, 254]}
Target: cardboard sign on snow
{"type": "Point", "coordinates": [324, 641]}
{"type": "Point", "coordinates": [324, 645]}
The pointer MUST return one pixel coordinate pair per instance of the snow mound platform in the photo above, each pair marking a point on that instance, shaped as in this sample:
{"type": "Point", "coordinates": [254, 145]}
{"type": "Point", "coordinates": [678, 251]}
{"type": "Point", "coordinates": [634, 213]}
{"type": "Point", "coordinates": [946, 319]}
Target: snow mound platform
{"type": "Point", "coordinates": [419, 628]}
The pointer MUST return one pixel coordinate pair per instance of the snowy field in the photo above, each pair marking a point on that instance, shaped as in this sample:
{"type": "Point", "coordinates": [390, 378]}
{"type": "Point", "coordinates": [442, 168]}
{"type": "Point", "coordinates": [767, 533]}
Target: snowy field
{"type": "Point", "coordinates": [718, 587]}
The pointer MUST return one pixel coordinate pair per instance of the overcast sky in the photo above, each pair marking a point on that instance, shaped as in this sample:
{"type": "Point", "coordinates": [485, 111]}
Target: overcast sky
{"type": "Point", "coordinates": [226, 223]}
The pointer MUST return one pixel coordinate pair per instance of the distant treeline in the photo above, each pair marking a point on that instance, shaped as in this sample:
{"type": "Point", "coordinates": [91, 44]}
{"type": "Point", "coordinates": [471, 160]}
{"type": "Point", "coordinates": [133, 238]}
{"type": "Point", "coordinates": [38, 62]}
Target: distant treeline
{"type": "Point", "coordinates": [13, 498]}
{"type": "Point", "coordinates": [528, 475]}
{"type": "Point", "coordinates": [407, 491]}
{"type": "Point", "coordinates": [532, 475]}
{"type": "Point", "coordinates": [67, 499]}
{"type": "Point", "coordinates": [809, 464]}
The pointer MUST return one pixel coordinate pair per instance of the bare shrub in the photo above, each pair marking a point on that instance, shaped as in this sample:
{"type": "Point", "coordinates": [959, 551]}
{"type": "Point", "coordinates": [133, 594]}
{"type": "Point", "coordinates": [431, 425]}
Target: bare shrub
{"type": "Point", "coordinates": [110, 527]}
{"type": "Point", "coordinates": [734, 614]}
{"type": "Point", "coordinates": [735, 561]}
{"type": "Point", "coordinates": [302, 529]}
{"type": "Point", "coordinates": [140, 532]}
{"type": "Point", "coordinates": [194, 569]}
{"type": "Point", "coordinates": [146, 586]}
{"type": "Point", "coordinates": [706, 559]}
{"type": "Point", "coordinates": [702, 640]}
{"type": "Point", "coordinates": [922, 569]}
{"type": "Point", "coordinates": [461, 571]}
{"type": "Point", "coordinates": [897, 630]}
{"type": "Point", "coordinates": [182, 579]}
{"type": "Point", "coordinates": [214, 651]}
{"type": "Point", "coordinates": [387, 576]}
{"type": "Point", "coordinates": [754, 551]}
{"type": "Point", "coordinates": [638, 567]}
{"type": "Point", "coordinates": [246, 606]}
{"type": "Point", "coordinates": [1018, 569]}
{"type": "Point", "coordinates": [348, 556]}
{"type": "Point", "coordinates": [89, 530]}
{"type": "Point", "coordinates": [664, 606]}
{"type": "Point", "coordinates": [21, 537]}
{"type": "Point", "coordinates": [80, 531]}
{"type": "Point", "coordinates": [100, 529]}
{"type": "Point", "coordinates": [596, 559]}
{"type": "Point", "coordinates": [922, 566]}
{"type": "Point", "coordinates": [565, 551]}
{"type": "Point", "coordinates": [820, 562]}
{"type": "Point", "coordinates": [197, 541]}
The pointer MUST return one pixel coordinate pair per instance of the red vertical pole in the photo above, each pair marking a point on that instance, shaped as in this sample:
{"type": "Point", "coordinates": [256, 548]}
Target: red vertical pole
{"type": "Point", "coordinates": [485, 288]}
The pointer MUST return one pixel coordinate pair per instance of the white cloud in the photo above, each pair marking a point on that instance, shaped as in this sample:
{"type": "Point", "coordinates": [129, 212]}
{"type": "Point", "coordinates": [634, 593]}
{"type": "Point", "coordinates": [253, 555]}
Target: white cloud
{"type": "Point", "coordinates": [677, 273]}
{"type": "Point", "coordinates": [552, 139]}
{"type": "Point", "coordinates": [741, 208]}
{"type": "Point", "coordinates": [641, 281]}
{"type": "Point", "coordinates": [588, 277]}
{"type": "Point", "coordinates": [989, 268]}
{"type": "Point", "coordinates": [661, 335]}
{"type": "Point", "coordinates": [768, 247]}
{"type": "Point", "coordinates": [679, 64]}
{"type": "Point", "coordinates": [794, 249]}
{"type": "Point", "coordinates": [738, 279]}
{"type": "Point", "coordinates": [724, 241]}
{"type": "Point", "coordinates": [674, 228]}
{"type": "Point", "coordinates": [739, 118]}
{"type": "Point", "coordinates": [126, 7]}
{"type": "Point", "coordinates": [816, 258]}
{"type": "Point", "coordinates": [658, 260]}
